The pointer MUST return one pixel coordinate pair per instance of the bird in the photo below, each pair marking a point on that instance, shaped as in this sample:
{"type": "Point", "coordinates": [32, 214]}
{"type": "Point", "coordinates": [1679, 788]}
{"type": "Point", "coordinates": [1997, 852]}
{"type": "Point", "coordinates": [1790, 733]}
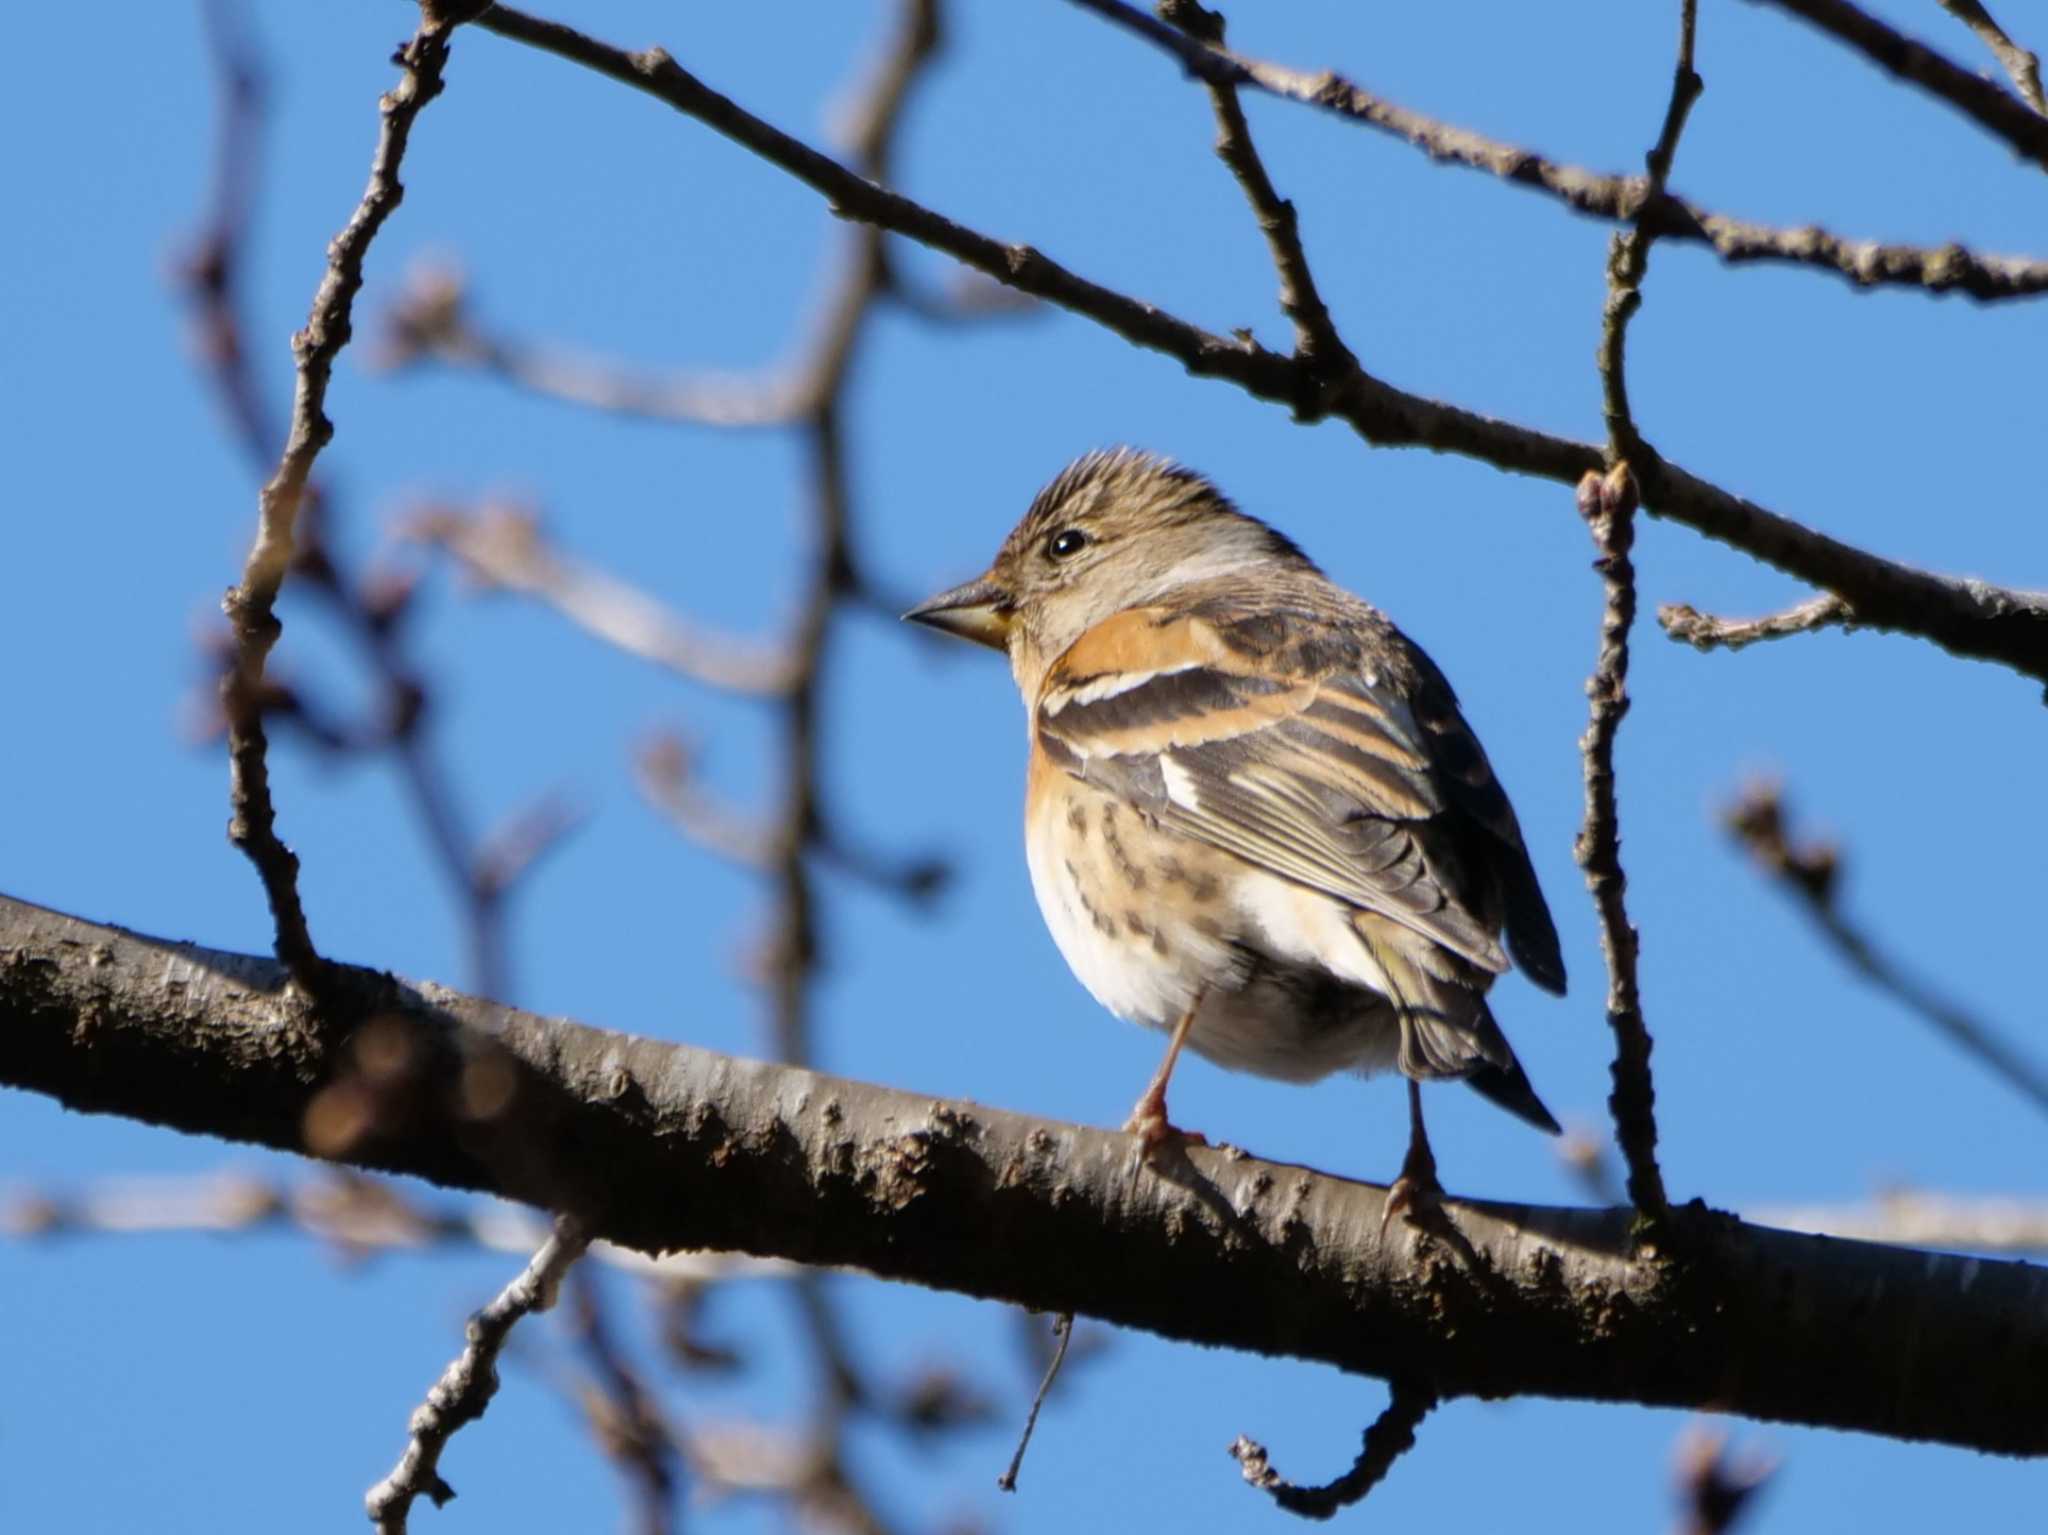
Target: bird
{"type": "Point", "coordinates": [1254, 817]}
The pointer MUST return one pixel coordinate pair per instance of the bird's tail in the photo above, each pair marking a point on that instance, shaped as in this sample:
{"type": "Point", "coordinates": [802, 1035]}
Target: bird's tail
{"type": "Point", "coordinates": [1447, 1030]}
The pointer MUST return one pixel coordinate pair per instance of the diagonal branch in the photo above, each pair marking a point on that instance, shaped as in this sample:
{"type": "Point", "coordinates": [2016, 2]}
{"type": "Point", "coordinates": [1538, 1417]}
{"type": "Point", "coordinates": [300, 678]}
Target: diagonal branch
{"type": "Point", "coordinates": [1969, 618]}
{"type": "Point", "coordinates": [1623, 199]}
{"type": "Point", "coordinates": [1991, 107]}
{"type": "Point", "coordinates": [661, 1147]}
{"type": "Point", "coordinates": [1316, 342]}
{"type": "Point", "coordinates": [250, 604]}
{"type": "Point", "coordinates": [466, 1387]}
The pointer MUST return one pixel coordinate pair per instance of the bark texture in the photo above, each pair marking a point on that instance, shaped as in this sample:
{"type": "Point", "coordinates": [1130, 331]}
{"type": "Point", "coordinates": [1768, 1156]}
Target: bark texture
{"type": "Point", "coordinates": [660, 1146]}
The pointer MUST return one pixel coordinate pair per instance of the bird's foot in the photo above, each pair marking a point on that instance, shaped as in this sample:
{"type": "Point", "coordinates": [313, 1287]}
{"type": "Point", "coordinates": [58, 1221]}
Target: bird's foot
{"type": "Point", "coordinates": [1416, 1195]}
{"type": "Point", "coordinates": [1148, 1122]}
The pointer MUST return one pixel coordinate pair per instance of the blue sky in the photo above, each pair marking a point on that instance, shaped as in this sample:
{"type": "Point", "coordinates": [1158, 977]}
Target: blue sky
{"type": "Point", "coordinates": [191, 1383]}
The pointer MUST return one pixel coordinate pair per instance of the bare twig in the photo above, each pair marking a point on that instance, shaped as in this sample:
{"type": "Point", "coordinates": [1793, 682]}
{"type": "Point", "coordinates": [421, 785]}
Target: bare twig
{"type": "Point", "coordinates": [466, 1387]}
{"type": "Point", "coordinates": [1811, 871]}
{"type": "Point", "coordinates": [1622, 199]}
{"type": "Point", "coordinates": [1991, 107]}
{"type": "Point", "coordinates": [371, 609]}
{"type": "Point", "coordinates": [249, 605]}
{"type": "Point", "coordinates": [1716, 1488]}
{"type": "Point", "coordinates": [1063, 1334]}
{"type": "Point", "coordinates": [1969, 618]}
{"type": "Point", "coordinates": [1317, 346]}
{"type": "Point", "coordinates": [1608, 506]}
{"type": "Point", "coordinates": [2020, 65]}
{"type": "Point", "coordinates": [1628, 260]}
{"type": "Point", "coordinates": [502, 546]}
{"type": "Point", "coordinates": [1392, 1434]}
{"type": "Point", "coordinates": [1703, 631]}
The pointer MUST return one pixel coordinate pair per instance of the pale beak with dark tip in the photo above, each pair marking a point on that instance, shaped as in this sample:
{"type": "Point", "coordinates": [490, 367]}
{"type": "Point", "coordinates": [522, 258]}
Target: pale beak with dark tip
{"type": "Point", "coordinates": [979, 611]}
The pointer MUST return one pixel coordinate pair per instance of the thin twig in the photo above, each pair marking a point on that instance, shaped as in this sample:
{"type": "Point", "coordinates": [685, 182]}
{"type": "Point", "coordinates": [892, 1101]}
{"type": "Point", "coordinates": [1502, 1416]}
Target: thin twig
{"type": "Point", "coordinates": [1812, 872]}
{"type": "Point", "coordinates": [1628, 257]}
{"type": "Point", "coordinates": [2020, 65]}
{"type": "Point", "coordinates": [1317, 346]}
{"type": "Point", "coordinates": [1608, 505]}
{"type": "Point", "coordinates": [502, 546]}
{"type": "Point", "coordinates": [372, 608]}
{"type": "Point", "coordinates": [1990, 106]}
{"type": "Point", "coordinates": [1966, 617]}
{"type": "Point", "coordinates": [1621, 199]}
{"type": "Point", "coordinates": [1392, 1435]}
{"type": "Point", "coordinates": [1063, 1333]}
{"type": "Point", "coordinates": [250, 605]}
{"type": "Point", "coordinates": [1704, 631]}
{"type": "Point", "coordinates": [466, 1387]}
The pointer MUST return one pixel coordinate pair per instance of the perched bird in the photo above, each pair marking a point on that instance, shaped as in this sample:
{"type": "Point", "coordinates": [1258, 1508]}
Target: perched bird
{"type": "Point", "coordinates": [1255, 816]}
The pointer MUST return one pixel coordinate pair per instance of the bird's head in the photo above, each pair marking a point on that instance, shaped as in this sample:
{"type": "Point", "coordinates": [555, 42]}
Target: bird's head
{"type": "Point", "coordinates": [1114, 530]}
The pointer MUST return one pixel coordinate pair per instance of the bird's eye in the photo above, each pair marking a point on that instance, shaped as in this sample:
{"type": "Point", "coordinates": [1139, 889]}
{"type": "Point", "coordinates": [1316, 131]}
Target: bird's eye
{"type": "Point", "coordinates": [1068, 541]}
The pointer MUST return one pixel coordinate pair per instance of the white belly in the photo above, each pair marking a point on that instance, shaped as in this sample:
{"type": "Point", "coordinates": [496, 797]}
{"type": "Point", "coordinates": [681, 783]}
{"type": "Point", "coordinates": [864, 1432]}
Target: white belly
{"type": "Point", "coordinates": [1146, 962]}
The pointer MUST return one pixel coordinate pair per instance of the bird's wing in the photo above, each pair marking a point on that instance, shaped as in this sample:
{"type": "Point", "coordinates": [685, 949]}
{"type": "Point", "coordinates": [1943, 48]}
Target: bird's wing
{"type": "Point", "coordinates": [1301, 761]}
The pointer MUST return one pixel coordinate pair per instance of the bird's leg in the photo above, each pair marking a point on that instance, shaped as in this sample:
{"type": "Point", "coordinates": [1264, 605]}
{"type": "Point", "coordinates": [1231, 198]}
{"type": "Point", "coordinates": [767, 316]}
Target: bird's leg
{"type": "Point", "coordinates": [1416, 1194]}
{"type": "Point", "coordinates": [1148, 1119]}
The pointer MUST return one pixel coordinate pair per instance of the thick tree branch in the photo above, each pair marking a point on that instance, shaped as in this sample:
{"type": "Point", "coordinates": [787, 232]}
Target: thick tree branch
{"type": "Point", "coordinates": [659, 1146]}
{"type": "Point", "coordinates": [1969, 618]}
{"type": "Point", "coordinates": [1622, 199]}
{"type": "Point", "coordinates": [1991, 107]}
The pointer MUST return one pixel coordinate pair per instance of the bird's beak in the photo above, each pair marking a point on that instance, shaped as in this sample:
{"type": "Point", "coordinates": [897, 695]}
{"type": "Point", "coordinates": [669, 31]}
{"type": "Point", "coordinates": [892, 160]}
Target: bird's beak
{"type": "Point", "coordinates": [979, 611]}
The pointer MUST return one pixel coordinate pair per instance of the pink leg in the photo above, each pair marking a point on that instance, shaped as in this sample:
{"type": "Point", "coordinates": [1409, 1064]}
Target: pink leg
{"type": "Point", "coordinates": [1148, 1118]}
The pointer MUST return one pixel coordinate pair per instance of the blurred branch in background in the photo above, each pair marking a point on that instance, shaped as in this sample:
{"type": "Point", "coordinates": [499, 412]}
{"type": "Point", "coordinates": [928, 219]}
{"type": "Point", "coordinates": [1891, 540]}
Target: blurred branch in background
{"type": "Point", "coordinates": [1916, 1218]}
{"type": "Point", "coordinates": [1717, 1487]}
{"type": "Point", "coordinates": [1810, 871]}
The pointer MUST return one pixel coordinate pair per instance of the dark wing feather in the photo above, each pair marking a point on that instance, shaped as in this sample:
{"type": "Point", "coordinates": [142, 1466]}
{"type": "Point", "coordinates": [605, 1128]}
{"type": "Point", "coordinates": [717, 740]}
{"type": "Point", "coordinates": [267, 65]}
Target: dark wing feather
{"type": "Point", "coordinates": [1325, 777]}
{"type": "Point", "coordinates": [1470, 786]}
